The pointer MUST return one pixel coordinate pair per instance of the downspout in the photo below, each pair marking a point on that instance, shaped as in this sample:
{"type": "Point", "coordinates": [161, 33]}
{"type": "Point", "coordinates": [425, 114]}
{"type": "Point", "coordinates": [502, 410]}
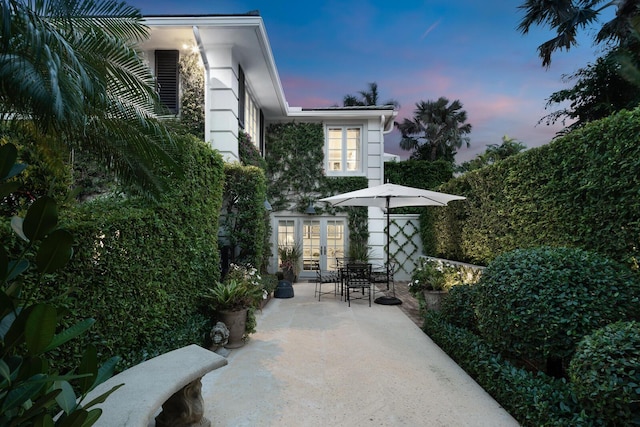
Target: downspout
{"type": "Point", "coordinates": [383, 120]}
{"type": "Point", "coordinates": [207, 78]}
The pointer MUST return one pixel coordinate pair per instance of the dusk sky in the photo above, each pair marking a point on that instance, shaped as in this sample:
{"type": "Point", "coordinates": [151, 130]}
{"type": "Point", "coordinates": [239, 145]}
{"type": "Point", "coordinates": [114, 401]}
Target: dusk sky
{"type": "Point", "coordinates": [415, 50]}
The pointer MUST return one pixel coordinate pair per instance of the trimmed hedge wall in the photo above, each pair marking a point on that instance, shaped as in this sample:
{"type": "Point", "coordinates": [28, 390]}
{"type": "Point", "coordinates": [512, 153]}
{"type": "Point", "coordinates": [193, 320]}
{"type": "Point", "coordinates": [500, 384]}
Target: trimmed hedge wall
{"type": "Point", "coordinates": [580, 190]}
{"type": "Point", "coordinates": [244, 216]}
{"type": "Point", "coordinates": [139, 269]}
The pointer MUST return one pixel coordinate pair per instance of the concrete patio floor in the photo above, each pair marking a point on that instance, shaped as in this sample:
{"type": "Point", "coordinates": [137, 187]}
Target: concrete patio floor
{"type": "Point", "coordinates": [322, 363]}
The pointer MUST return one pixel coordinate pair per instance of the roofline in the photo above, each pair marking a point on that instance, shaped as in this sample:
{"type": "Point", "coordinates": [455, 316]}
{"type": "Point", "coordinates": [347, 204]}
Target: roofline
{"type": "Point", "coordinates": [226, 21]}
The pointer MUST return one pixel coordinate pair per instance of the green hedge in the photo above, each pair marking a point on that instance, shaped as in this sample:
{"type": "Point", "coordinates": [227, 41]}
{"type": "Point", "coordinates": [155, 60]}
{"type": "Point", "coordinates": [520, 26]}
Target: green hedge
{"type": "Point", "coordinates": [243, 216]}
{"type": "Point", "coordinates": [139, 269]}
{"type": "Point", "coordinates": [533, 399]}
{"type": "Point", "coordinates": [538, 303]}
{"type": "Point", "coordinates": [580, 190]}
{"type": "Point", "coordinates": [605, 373]}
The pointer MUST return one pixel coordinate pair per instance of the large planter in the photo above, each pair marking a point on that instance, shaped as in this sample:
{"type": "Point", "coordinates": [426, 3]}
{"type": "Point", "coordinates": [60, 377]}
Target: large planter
{"type": "Point", "coordinates": [236, 322]}
{"type": "Point", "coordinates": [433, 299]}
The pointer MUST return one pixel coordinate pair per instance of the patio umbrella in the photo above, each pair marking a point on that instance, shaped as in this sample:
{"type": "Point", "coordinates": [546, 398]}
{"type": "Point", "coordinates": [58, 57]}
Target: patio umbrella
{"type": "Point", "coordinates": [387, 196]}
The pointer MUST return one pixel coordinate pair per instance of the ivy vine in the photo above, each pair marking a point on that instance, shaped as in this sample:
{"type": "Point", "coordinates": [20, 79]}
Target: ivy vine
{"type": "Point", "coordinates": [295, 173]}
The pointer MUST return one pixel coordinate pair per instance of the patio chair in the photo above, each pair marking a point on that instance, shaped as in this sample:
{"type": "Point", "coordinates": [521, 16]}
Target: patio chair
{"type": "Point", "coordinates": [358, 278]}
{"type": "Point", "coordinates": [325, 278]}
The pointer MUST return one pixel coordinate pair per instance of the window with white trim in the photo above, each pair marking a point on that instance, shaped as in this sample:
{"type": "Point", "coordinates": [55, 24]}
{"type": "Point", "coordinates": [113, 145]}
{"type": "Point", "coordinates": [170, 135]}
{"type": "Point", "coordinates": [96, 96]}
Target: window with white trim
{"type": "Point", "coordinates": [251, 119]}
{"type": "Point", "coordinates": [344, 149]}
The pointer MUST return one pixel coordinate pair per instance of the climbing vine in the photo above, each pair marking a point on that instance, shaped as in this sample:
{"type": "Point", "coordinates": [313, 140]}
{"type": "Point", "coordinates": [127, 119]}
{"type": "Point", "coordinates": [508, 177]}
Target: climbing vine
{"type": "Point", "coordinates": [295, 173]}
{"type": "Point", "coordinates": [192, 94]}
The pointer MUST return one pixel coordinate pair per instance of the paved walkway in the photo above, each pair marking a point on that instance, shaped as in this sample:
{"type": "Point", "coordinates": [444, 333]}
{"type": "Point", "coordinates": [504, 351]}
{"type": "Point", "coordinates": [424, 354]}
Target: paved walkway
{"type": "Point", "coordinates": [321, 363]}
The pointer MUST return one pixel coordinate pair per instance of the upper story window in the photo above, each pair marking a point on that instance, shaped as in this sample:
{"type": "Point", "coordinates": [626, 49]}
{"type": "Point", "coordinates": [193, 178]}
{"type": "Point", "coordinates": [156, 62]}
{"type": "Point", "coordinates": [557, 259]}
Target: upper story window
{"type": "Point", "coordinates": [251, 119]}
{"type": "Point", "coordinates": [344, 149]}
{"type": "Point", "coordinates": [248, 111]}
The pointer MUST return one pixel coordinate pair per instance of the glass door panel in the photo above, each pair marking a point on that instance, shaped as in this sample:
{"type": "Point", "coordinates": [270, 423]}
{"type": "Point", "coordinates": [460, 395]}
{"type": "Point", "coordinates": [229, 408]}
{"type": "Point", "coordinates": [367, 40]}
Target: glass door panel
{"type": "Point", "coordinates": [311, 243]}
{"type": "Point", "coordinates": [335, 243]}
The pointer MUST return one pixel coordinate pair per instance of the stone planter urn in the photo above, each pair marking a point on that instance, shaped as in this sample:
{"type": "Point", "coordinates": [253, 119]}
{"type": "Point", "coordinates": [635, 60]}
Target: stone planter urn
{"type": "Point", "coordinates": [235, 321]}
{"type": "Point", "coordinates": [433, 299]}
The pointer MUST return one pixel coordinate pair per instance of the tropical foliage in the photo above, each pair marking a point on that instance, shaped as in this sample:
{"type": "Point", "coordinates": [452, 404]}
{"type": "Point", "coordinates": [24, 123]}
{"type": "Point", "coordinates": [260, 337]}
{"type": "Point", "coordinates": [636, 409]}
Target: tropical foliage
{"type": "Point", "coordinates": [567, 17]}
{"type": "Point", "coordinates": [600, 89]}
{"type": "Point", "coordinates": [32, 332]}
{"type": "Point", "coordinates": [437, 129]}
{"type": "Point", "coordinates": [494, 153]}
{"type": "Point", "coordinates": [368, 97]}
{"type": "Point", "coordinates": [53, 71]}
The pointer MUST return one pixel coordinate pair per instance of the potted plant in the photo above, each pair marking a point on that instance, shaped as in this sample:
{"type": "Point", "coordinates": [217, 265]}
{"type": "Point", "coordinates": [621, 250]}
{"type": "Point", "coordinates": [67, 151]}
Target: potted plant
{"type": "Point", "coordinates": [289, 260]}
{"type": "Point", "coordinates": [235, 300]}
{"type": "Point", "coordinates": [428, 280]}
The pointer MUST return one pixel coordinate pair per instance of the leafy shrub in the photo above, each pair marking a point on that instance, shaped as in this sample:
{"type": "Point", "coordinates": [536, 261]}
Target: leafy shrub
{"type": "Point", "coordinates": [538, 303]}
{"type": "Point", "coordinates": [458, 308]}
{"type": "Point", "coordinates": [427, 276]}
{"type": "Point", "coordinates": [605, 373]}
{"type": "Point", "coordinates": [533, 399]}
{"type": "Point", "coordinates": [31, 389]}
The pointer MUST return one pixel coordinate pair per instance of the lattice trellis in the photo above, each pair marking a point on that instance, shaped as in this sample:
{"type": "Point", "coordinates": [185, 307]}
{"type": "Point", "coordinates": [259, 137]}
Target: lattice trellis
{"type": "Point", "coordinates": [406, 246]}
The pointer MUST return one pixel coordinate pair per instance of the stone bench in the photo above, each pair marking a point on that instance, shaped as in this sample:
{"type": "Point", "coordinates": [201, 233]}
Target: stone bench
{"type": "Point", "coordinates": [171, 380]}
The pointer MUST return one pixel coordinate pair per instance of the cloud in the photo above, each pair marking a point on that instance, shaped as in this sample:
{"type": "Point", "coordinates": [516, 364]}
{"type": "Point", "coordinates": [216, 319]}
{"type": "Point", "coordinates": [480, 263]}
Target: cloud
{"type": "Point", "coordinates": [430, 29]}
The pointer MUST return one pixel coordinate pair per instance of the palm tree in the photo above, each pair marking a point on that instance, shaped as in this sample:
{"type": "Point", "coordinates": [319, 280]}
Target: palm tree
{"type": "Point", "coordinates": [73, 67]}
{"type": "Point", "coordinates": [367, 97]}
{"type": "Point", "coordinates": [436, 130]}
{"type": "Point", "coordinates": [566, 17]}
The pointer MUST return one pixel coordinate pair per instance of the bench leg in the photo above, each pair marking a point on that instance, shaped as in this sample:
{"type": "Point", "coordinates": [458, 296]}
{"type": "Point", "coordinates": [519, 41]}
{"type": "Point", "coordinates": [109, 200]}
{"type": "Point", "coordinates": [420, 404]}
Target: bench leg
{"type": "Point", "coordinates": [184, 409]}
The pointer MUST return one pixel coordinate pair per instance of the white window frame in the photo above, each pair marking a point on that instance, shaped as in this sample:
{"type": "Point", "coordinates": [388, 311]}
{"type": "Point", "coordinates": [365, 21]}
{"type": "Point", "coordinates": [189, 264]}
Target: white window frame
{"type": "Point", "coordinates": [251, 118]}
{"type": "Point", "coordinates": [340, 164]}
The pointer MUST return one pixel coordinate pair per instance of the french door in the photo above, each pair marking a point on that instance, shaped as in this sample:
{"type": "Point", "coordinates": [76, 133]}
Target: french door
{"type": "Point", "coordinates": [321, 240]}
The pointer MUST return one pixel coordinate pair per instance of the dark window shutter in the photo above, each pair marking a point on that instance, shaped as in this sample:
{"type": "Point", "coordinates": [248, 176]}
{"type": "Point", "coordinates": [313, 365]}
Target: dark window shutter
{"type": "Point", "coordinates": [167, 78]}
{"type": "Point", "coordinates": [261, 132]}
{"type": "Point", "coordinates": [241, 95]}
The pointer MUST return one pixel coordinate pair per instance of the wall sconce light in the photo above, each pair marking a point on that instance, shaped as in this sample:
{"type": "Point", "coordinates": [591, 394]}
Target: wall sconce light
{"type": "Point", "coordinates": [310, 209]}
{"type": "Point", "coordinates": [267, 205]}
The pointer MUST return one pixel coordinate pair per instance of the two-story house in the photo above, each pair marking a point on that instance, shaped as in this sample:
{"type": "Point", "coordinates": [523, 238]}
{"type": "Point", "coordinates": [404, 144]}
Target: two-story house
{"type": "Point", "coordinates": [243, 92]}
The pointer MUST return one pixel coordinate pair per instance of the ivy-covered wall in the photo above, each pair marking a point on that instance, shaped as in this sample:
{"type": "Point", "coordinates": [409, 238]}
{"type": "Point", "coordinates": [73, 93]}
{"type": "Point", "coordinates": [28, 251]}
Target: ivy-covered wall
{"type": "Point", "coordinates": [295, 174]}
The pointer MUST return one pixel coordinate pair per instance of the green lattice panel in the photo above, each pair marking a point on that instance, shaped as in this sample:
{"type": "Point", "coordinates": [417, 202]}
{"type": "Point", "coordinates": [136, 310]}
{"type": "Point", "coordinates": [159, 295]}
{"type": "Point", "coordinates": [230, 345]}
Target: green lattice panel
{"type": "Point", "coordinates": [405, 244]}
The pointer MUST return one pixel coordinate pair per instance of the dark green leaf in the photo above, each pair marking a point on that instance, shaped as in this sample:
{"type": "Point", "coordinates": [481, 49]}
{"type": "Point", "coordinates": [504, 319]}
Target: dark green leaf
{"type": "Point", "coordinates": [105, 371]}
{"type": "Point", "coordinates": [40, 328]}
{"type": "Point", "coordinates": [76, 419]}
{"type": "Point", "coordinates": [16, 268]}
{"type": "Point", "coordinates": [55, 251]}
{"type": "Point", "coordinates": [22, 394]}
{"type": "Point", "coordinates": [70, 333]}
{"type": "Point", "coordinates": [8, 156]}
{"type": "Point", "coordinates": [41, 218]}
{"type": "Point", "coordinates": [88, 365]}
{"type": "Point", "coordinates": [4, 264]}
{"type": "Point", "coordinates": [103, 396]}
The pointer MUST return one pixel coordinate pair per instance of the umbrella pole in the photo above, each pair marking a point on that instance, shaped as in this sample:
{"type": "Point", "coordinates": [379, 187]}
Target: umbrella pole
{"type": "Point", "coordinates": [388, 300]}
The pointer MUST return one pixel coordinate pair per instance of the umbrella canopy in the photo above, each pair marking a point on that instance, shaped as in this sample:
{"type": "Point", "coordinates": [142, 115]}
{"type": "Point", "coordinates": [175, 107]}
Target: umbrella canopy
{"type": "Point", "coordinates": [388, 196]}
{"type": "Point", "coordinates": [391, 196]}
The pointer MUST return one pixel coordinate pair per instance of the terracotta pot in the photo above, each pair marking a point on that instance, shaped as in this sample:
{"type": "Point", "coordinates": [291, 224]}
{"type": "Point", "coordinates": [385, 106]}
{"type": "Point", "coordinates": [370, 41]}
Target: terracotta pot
{"type": "Point", "coordinates": [433, 299]}
{"type": "Point", "coordinates": [235, 322]}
